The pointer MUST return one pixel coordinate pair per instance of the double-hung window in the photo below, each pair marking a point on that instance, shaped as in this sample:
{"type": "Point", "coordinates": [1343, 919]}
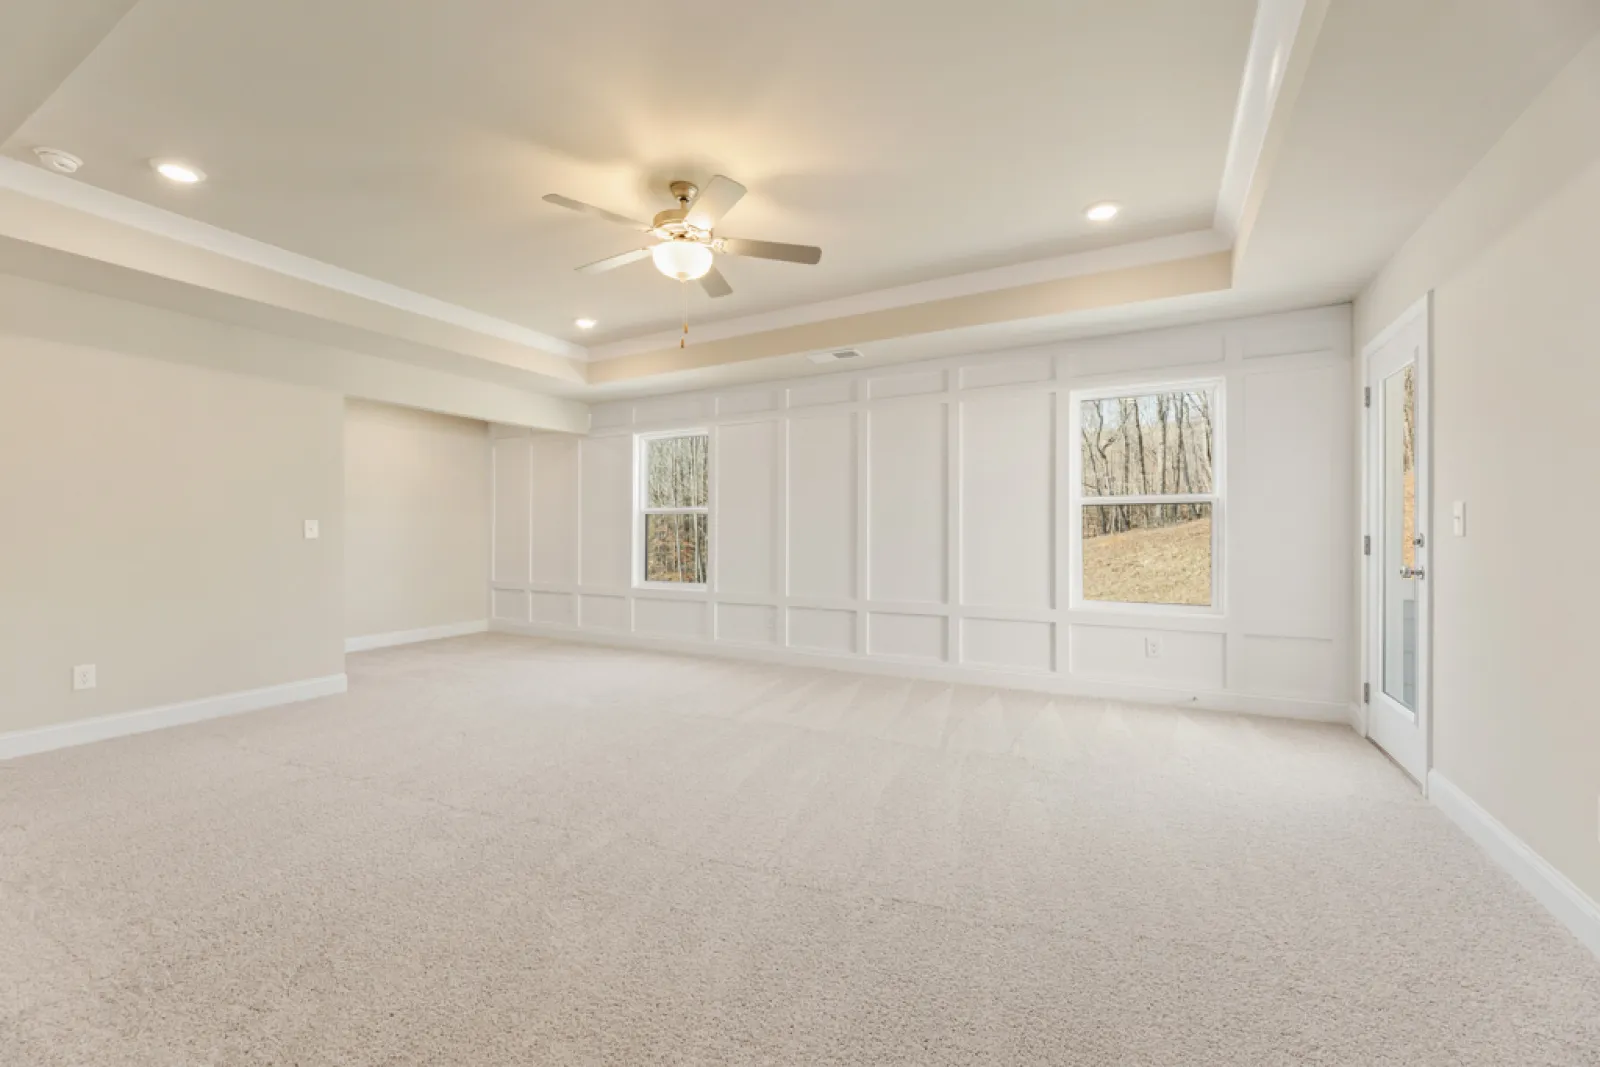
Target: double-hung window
{"type": "Point", "coordinates": [674, 493]}
{"type": "Point", "coordinates": [1147, 495]}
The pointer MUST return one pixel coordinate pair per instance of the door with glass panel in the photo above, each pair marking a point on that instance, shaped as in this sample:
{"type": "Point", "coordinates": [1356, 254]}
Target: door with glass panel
{"type": "Point", "coordinates": [1398, 542]}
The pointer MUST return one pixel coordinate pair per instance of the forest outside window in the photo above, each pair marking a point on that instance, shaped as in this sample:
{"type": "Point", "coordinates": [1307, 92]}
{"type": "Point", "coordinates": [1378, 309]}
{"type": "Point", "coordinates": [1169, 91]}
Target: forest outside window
{"type": "Point", "coordinates": [1148, 499]}
{"type": "Point", "coordinates": [674, 490]}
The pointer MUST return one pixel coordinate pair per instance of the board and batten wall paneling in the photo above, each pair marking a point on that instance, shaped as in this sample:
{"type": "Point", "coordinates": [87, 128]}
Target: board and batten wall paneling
{"type": "Point", "coordinates": [822, 506]}
{"type": "Point", "coordinates": [745, 560]}
{"type": "Point", "coordinates": [907, 482]}
{"type": "Point", "coordinates": [606, 494]}
{"type": "Point", "coordinates": [1008, 500]}
{"type": "Point", "coordinates": [914, 519]}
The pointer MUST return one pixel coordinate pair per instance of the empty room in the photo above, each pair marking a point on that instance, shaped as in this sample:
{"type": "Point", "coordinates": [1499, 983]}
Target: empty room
{"type": "Point", "coordinates": [892, 533]}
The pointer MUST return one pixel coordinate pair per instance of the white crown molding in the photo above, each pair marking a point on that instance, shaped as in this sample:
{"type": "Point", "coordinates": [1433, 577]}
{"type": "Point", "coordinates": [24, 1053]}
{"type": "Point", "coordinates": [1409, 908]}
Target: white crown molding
{"type": "Point", "coordinates": [1276, 26]}
{"type": "Point", "coordinates": [1116, 257]}
{"type": "Point", "coordinates": [83, 731]}
{"type": "Point", "coordinates": [113, 207]}
{"type": "Point", "coordinates": [1576, 911]}
{"type": "Point", "coordinates": [411, 637]}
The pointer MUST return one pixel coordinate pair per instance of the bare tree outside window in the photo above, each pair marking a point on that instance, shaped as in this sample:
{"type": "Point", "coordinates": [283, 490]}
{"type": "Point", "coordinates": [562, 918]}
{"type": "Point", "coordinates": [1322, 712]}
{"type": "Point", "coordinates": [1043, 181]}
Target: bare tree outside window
{"type": "Point", "coordinates": [1148, 493]}
{"type": "Point", "coordinates": [674, 483]}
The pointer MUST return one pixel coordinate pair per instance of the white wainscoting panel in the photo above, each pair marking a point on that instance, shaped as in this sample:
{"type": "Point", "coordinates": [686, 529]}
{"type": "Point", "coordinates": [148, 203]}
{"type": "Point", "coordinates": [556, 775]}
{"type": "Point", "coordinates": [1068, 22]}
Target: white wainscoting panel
{"type": "Point", "coordinates": [822, 506]}
{"type": "Point", "coordinates": [822, 629]}
{"type": "Point", "coordinates": [907, 636]}
{"type": "Point", "coordinates": [509, 605]}
{"type": "Point", "coordinates": [1007, 644]}
{"type": "Point", "coordinates": [678, 619]}
{"type": "Point", "coordinates": [1008, 500]}
{"type": "Point", "coordinates": [607, 478]}
{"type": "Point", "coordinates": [511, 509]}
{"type": "Point", "coordinates": [745, 559]}
{"type": "Point", "coordinates": [747, 624]}
{"type": "Point", "coordinates": [560, 609]}
{"type": "Point", "coordinates": [603, 612]}
{"type": "Point", "coordinates": [908, 477]}
{"type": "Point", "coordinates": [915, 519]}
{"type": "Point", "coordinates": [554, 471]}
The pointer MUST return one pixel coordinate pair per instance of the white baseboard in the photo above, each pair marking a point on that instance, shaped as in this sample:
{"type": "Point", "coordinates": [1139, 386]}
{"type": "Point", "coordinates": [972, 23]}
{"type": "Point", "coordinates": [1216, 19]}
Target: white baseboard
{"type": "Point", "coordinates": [1037, 682]}
{"type": "Point", "coordinates": [1549, 886]}
{"type": "Point", "coordinates": [411, 637]}
{"type": "Point", "coordinates": [1358, 718]}
{"type": "Point", "coordinates": [83, 731]}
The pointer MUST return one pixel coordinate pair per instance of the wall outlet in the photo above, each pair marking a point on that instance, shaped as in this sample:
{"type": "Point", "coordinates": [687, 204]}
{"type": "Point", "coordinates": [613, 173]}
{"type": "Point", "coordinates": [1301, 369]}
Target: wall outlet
{"type": "Point", "coordinates": [83, 676]}
{"type": "Point", "coordinates": [313, 529]}
{"type": "Point", "coordinates": [1152, 648]}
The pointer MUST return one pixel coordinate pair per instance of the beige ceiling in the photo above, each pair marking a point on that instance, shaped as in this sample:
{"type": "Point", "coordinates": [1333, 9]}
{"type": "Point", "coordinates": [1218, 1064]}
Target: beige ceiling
{"type": "Point", "coordinates": [411, 140]}
{"type": "Point", "coordinates": [376, 167]}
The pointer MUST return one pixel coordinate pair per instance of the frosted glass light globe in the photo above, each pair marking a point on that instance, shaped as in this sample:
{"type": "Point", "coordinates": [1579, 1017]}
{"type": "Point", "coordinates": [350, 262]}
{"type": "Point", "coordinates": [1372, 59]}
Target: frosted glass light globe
{"type": "Point", "coordinates": [683, 260]}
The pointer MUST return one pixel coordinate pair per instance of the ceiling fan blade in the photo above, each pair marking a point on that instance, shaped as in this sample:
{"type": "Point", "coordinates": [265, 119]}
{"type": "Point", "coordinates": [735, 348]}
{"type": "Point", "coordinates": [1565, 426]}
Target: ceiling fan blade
{"type": "Point", "coordinates": [713, 202]}
{"type": "Point", "coordinates": [714, 283]}
{"type": "Point", "coordinates": [739, 246]}
{"type": "Point", "coordinates": [600, 266]}
{"type": "Point", "coordinates": [589, 209]}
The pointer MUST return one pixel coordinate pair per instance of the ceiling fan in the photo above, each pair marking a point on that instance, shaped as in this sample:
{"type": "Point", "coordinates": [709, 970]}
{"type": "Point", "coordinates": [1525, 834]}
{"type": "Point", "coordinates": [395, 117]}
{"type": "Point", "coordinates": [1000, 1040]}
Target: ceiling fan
{"type": "Point", "coordinates": [686, 245]}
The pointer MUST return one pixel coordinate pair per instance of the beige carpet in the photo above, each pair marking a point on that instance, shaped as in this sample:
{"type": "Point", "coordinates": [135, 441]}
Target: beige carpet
{"type": "Point", "coordinates": [502, 851]}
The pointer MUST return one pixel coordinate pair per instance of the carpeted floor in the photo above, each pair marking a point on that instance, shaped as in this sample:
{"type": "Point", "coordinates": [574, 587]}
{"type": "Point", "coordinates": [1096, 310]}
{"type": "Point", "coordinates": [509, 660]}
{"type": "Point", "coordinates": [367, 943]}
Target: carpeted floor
{"type": "Point", "coordinates": [500, 851]}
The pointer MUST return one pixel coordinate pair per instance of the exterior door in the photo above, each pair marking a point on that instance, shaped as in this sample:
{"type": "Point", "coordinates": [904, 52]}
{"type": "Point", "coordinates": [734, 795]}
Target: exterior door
{"type": "Point", "coordinates": [1397, 495]}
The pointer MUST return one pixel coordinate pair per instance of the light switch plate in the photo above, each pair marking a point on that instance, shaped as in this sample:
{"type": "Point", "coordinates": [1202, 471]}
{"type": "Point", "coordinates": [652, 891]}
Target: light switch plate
{"type": "Point", "coordinates": [1458, 518]}
{"type": "Point", "coordinates": [83, 676]}
{"type": "Point", "coordinates": [313, 529]}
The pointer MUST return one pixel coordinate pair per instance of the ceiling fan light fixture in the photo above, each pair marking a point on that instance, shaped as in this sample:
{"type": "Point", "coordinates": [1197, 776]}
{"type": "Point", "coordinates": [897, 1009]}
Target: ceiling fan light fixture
{"type": "Point", "coordinates": [683, 260]}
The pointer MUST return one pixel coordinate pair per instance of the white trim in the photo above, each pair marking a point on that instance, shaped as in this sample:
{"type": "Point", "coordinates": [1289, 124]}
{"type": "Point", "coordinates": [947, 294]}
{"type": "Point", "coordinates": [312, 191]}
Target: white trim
{"type": "Point", "coordinates": [84, 731]}
{"type": "Point", "coordinates": [1358, 717]}
{"type": "Point", "coordinates": [113, 207]}
{"type": "Point", "coordinates": [1216, 386]}
{"type": "Point", "coordinates": [917, 670]}
{"type": "Point", "coordinates": [411, 637]}
{"type": "Point", "coordinates": [1378, 717]}
{"type": "Point", "coordinates": [1276, 27]}
{"type": "Point", "coordinates": [1576, 911]}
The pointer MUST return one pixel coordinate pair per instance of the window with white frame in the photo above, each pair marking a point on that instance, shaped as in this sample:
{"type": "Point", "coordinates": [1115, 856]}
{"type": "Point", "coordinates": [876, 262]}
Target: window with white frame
{"type": "Point", "coordinates": [674, 492]}
{"type": "Point", "coordinates": [1148, 495]}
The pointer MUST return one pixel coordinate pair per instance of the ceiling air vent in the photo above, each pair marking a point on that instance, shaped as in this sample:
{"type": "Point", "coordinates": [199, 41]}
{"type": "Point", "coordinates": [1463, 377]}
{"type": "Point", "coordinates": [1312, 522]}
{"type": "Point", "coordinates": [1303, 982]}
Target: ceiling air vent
{"type": "Point", "coordinates": [834, 357]}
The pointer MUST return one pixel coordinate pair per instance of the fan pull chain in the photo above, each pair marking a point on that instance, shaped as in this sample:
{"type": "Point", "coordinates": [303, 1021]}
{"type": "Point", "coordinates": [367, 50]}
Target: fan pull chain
{"type": "Point", "coordinates": [683, 342]}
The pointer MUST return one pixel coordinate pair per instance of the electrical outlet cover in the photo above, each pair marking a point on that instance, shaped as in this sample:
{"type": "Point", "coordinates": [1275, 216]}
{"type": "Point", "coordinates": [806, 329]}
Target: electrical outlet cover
{"type": "Point", "coordinates": [83, 676]}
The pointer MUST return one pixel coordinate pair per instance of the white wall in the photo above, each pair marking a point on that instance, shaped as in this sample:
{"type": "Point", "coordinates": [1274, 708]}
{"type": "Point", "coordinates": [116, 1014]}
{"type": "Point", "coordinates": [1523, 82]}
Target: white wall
{"type": "Point", "coordinates": [416, 519]}
{"type": "Point", "coordinates": [1511, 259]}
{"type": "Point", "coordinates": [914, 519]}
{"type": "Point", "coordinates": [151, 524]}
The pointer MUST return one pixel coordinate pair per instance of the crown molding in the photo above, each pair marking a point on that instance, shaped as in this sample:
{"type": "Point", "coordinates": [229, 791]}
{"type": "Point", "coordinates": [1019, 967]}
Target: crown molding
{"type": "Point", "coordinates": [40, 184]}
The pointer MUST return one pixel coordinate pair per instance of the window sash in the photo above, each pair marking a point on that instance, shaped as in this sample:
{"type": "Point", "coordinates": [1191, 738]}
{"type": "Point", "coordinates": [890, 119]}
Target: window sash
{"type": "Point", "coordinates": [1216, 498]}
{"type": "Point", "coordinates": [643, 511]}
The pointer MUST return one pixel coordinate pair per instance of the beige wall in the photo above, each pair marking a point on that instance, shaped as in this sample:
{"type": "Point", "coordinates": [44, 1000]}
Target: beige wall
{"type": "Point", "coordinates": [151, 521]}
{"type": "Point", "coordinates": [416, 519]}
{"type": "Point", "coordinates": [1513, 257]}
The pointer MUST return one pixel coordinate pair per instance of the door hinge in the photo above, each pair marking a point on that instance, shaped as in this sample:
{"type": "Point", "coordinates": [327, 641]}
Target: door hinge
{"type": "Point", "coordinates": [1366, 544]}
{"type": "Point", "coordinates": [1366, 692]}
{"type": "Point", "coordinates": [1366, 397]}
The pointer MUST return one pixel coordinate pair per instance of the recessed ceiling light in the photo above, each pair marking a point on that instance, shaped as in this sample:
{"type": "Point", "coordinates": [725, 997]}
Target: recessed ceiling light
{"type": "Point", "coordinates": [584, 324]}
{"type": "Point", "coordinates": [57, 160]}
{"type": "Point", "coordinates": [175, 171]}
{"type": "Point", "coordinates": [1102, 212]}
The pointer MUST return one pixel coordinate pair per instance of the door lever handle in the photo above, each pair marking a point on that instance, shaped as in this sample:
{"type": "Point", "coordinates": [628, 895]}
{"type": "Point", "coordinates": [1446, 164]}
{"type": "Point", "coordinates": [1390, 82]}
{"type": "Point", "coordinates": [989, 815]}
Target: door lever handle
{"type": "Point", "coordinates": [1413, 572]}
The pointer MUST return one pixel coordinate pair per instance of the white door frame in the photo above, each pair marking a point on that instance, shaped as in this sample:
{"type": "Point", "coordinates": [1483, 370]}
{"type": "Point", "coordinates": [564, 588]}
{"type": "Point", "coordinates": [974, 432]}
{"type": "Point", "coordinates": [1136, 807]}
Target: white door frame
{"type": "Point", "coordinates": [1409, 744]}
